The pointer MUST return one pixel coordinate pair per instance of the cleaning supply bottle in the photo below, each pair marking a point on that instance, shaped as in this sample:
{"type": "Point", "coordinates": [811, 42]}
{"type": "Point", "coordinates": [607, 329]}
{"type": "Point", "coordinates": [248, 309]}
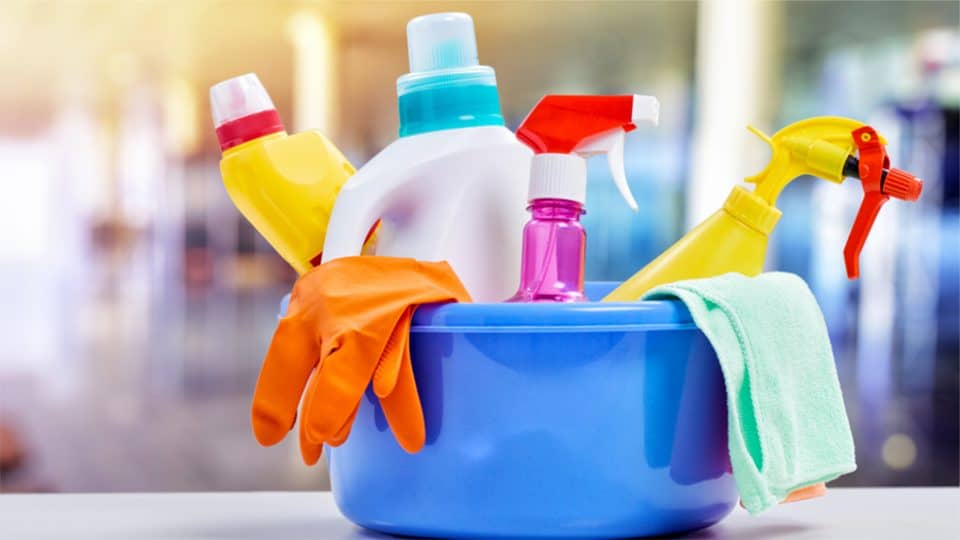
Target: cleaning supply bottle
{"type": "Point", "coordinates": [563, 131]}
{"type": "Point", "coordinates": [452, 186]}
{"type": "Point", "coordinates": [734, 239]}
{"type": "Point", "coordinates": [285, 185]}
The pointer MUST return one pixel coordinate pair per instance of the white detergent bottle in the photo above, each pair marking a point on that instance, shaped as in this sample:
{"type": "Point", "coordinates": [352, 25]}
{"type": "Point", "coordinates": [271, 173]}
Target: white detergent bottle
{"type": "Point", "coordinates": [453, 186]}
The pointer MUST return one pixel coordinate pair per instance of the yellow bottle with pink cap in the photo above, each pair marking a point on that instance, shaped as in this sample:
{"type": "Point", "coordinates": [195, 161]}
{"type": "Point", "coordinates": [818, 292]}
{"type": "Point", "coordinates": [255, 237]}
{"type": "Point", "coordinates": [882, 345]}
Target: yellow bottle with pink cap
{"type": "Point", "coordinates": [285, 185]}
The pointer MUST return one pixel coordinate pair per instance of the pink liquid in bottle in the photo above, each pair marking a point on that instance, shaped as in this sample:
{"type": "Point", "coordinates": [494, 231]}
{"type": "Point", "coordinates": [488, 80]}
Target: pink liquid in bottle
{"type": "Point", "coordinates": [554, 245]}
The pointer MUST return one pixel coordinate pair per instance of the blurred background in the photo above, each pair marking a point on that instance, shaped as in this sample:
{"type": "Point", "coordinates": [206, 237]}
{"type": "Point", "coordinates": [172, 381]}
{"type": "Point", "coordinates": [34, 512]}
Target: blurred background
{"type": "Point", "coordinates": [137, 303]}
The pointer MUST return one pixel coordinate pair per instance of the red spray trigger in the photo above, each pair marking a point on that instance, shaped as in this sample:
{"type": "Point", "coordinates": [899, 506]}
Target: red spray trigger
{"type": "Point", "coordinates": [563, 131]}
{"type": "Point", "coordinates": [557, 124]}
{"type": "Point", "coordinates": [879, 184]}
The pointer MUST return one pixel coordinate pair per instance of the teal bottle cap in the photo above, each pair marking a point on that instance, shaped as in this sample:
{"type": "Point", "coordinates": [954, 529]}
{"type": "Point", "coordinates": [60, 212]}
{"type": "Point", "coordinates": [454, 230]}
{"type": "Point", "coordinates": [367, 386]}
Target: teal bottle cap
{"type": "Point", "coordinates": [446, 88]}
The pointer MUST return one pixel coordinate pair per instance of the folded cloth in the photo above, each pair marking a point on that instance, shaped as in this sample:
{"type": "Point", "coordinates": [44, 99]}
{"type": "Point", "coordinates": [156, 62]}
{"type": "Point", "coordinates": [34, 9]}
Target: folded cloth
{"type": "Point", "coordinates": [347, 326]}
{"type": "Point", "coordinates": [788, 429]}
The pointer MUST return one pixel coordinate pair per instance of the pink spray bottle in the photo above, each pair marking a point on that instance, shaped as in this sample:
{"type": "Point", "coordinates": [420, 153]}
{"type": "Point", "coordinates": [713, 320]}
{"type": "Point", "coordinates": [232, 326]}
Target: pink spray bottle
{"type": "Point", "coordinates": [563, 131]}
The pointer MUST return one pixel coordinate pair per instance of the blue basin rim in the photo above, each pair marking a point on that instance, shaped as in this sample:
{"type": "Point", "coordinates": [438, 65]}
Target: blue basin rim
{"type": "Point", "coordinates": [552, 317]}
{"type": "Point", "coordinates": [591, 316]}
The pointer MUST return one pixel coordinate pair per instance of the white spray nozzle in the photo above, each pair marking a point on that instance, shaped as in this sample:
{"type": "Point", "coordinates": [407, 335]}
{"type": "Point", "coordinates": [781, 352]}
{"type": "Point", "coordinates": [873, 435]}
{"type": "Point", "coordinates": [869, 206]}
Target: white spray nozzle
{"type": "Point", "coordinates": [238, 97]}
{"type": "Point", "coordinates": [646, 109]}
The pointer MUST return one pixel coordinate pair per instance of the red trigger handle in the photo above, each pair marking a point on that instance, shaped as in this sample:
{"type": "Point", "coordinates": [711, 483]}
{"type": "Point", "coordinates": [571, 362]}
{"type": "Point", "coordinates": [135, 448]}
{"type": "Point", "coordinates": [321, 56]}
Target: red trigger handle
{"type": "Point", "coordinates": [879, 182]}
{"type": "Point", "coordinates": [873, 160]}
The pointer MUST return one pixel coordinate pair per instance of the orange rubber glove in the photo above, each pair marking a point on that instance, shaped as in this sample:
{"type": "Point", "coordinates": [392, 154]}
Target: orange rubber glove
{"type": "Point", "coordinates": [802, 494]}
{"type": "Point", "coordinates": [809, 492]}
{"type": "Point", "coordinates": [347, 326]}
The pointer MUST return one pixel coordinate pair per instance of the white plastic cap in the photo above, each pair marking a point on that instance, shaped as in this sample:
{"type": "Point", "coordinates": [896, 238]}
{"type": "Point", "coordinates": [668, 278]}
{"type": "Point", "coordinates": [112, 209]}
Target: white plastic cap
{"type": "Point", "coordinates": [238, 97]}
{"type": "Point", "coordinates": [558, 176]}
{"type": "Point", "coordinates": [646, 109]}
{"type": "Point", "coordinates": [441, 41]}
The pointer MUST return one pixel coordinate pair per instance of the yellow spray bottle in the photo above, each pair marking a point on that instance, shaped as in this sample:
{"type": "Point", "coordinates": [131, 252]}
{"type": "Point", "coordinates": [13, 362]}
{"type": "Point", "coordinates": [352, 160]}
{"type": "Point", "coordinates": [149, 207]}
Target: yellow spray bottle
{"type": "Point", "coordinates": [734, 239]}
{"type": "Point", "coordinates": [285, 185]}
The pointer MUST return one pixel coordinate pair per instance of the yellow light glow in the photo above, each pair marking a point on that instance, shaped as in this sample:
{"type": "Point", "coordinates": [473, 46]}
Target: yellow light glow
{"type": "Point", "coordinates": [733, 65]}
{"type": "Point", "coordinates": [123, 68]}
{"type": "Point", "coordinates": [314, 72]}
{"type": "Point", "coordinates": [180, 116]}
{"type": "Point", "coordinates": [899, 451]}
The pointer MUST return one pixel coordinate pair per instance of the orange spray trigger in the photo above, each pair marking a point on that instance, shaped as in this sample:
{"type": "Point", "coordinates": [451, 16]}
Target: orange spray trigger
{"type": "Point", "coordinates": [879, 182]}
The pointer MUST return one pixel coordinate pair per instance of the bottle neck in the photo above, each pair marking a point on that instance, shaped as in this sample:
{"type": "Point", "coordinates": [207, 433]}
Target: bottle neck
{"type": "Point", "coordinates": [556, 210]}
{"type": "Point", "coordinates": [259, 140]}
{"type": "Point", "coordinates": [751, 210]}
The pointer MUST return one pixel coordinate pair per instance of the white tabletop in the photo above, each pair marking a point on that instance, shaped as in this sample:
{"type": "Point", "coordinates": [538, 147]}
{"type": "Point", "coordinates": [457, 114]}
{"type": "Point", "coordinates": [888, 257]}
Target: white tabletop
{"type": "Point", "coordinates": [875, 514]}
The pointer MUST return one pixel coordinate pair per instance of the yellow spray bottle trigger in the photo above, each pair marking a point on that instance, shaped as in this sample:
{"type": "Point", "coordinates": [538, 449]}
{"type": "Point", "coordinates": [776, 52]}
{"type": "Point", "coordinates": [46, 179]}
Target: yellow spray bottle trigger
{"type": "Point", "coordinates": [817, 146]}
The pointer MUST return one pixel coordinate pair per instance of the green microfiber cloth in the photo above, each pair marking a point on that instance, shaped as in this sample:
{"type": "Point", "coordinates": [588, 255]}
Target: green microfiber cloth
{"type": "Point", "coordinates": [788, 428]}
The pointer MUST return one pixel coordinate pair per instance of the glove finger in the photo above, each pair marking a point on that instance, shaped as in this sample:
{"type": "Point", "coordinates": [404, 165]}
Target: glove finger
{"type": "Point", "coordinates": [388, 369]}
{"type": "Point", "coordinates": [344, 432]}
{"type": "Point", "coordinates": [402, 407]}
{"type": "Point", "coordinates": [309, 450]}
{"type": "Point", "coordinates": [339, 438]}
{"type": "Point", "coordinates": [292, 354]}
{"type": "Point", "coordinates": [336, 388]}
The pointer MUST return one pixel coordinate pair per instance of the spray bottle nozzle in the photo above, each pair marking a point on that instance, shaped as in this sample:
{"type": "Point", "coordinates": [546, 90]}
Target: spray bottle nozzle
{"type": "Point", "coordinates": [879, 182]}
{"type": "Point", "coordinates": [827, 147]}
{"type": "Point", "coordinates": [562, 129]}
{"type": "Point", "coordinates": [896, 183]}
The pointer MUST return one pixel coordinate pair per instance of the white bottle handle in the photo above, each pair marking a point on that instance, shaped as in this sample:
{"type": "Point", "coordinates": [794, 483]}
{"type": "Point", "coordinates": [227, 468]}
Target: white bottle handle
{"type": "Point", "coordinates": [354, 214]}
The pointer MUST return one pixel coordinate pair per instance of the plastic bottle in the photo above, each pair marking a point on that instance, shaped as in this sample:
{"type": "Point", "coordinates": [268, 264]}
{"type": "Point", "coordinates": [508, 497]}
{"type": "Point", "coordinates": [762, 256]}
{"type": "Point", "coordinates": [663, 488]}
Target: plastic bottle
{"type": "Point", "coordinates": [563, 131]}
{"type": "Point", "coordinates": [451, 187]}
{"type": "Point", "coordinates": [285, 185]}
{"type": "Point", "coordinates": [734, 239]}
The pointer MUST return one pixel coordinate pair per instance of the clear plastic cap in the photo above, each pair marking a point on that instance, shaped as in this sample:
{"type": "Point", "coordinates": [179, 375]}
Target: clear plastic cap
{"type": "Point", "coordinates": [238, 97]}
{"type": "Point", "coordinates": [441, 41]}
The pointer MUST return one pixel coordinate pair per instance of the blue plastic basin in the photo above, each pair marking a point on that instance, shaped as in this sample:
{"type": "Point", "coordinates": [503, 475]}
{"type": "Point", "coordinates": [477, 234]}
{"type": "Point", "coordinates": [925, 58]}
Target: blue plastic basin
{"type": "Point", "coordinates": [548, 420]}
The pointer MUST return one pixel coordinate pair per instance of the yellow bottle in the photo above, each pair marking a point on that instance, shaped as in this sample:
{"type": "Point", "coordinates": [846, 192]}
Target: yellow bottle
{"type": "Point", "coordinates": [734, 239]}
{"type": "Point", "coordinates": [285, 185]}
